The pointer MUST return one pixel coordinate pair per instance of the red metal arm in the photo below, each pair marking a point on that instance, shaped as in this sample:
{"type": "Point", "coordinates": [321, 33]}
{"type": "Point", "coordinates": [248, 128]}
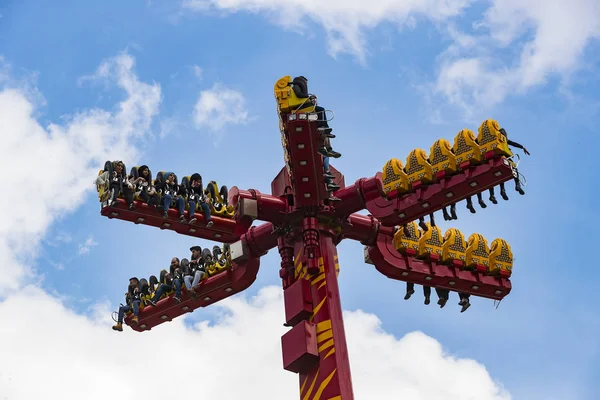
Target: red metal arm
{"type": "Point", "coordinates": [424, 200]}
{"type": "Point", "coordinates": [224, 230]}
{"type": "Point", "coordinates": [211, 290]}
{"type": "Point", "coordinates": [394, 265]}
{"type": "Point", "coordinates": [252, 204]}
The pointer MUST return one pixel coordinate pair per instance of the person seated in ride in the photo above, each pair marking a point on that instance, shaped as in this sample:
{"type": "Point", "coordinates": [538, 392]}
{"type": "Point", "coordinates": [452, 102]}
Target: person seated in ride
{"type": "Point", "coordinates": [172, 279]}
{"type": "Point", "coordinates": [117, 183]}
{"type": "Point", "coordinates": [172, 193]}
{"type": "Point", "coordinates": [132, 301]}
{"type": "Point", "coordinates": [143, 186]}
{"type": "Point", "coordinates": [196, 270]}
{"type": "Point", "coordinates": [518, 187]}
{"type": "Point", "coordinates": [300, 88]}
{"type": "Point", "coordinates": [197, 197]}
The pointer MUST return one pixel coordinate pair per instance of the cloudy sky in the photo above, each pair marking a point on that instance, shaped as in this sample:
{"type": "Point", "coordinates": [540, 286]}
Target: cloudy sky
{"type": "Point", "coordinates": [188, 87]}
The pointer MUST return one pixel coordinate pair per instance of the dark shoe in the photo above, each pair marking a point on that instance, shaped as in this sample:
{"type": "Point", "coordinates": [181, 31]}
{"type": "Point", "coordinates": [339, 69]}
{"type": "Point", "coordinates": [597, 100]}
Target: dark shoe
{"type": "Point", "coordinates": [165, 214]}
{"type": "Point", "coordinates": [470, 207]}
{"type": "Point", "coordinates": [151, 302]}
{"type": "Point", "coordinates": [427, 301]}
{"type": "Point", "coordinates": [520, 190]}
{"type": "Point", "coordinates": [447, 216]}
{"type": "Point", "coordinates": [333, 153]}
{"type": "Point", "coordinates": [453, 212]}
{"type": "Point", "coordinates": [332, 187]}
{"type": "Point", "coordinates": [328, 175]}
{"type": "Point", "coordinates": [333, 198]}
{"type": "Point", "coordinates": [177, 299]}
{"type": "Point", "coordinates": [442, 302]}
{"type": "Point", "coordinates": [493, 199]}
{"type": "Point", "coordinates": [113, 203]}
{"type": "Point", "coordinates": [423, 225]}
{"type": "Point", "coordinates": [482, 204]}
{"type": "Point", "coordinates": [209, 224]}
{"type": "Point", "coordinates": [408, 294]}
{"type": "Point", "coordinates": [503, 194]}
{"type": "Point", "coordinates": [131, 207]}
{"type": "Point", "coordinates": [193, 220]}
{"type": "Point", "coordinates": [466, 305]}
{"type": "Point", "coordinates": [182, 218]}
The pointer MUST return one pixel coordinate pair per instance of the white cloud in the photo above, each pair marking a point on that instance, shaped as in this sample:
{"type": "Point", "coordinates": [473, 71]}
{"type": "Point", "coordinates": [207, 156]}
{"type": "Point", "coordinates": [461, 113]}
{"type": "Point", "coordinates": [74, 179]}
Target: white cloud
{"type": "Point", "coordinates": [61, 160]}
{"type": "Point", "coordinates": [345, 21]}
{"type": "Point", "coordinates": [198, 72]}
{"type": "Point", "coordinates": [81, 357]}
{"type": "Point", "coordinates": [524, 45]}
{"type": "Point", "coordinates": [220, 106]}
{"type": "Point", "coordinates": [85, 247]}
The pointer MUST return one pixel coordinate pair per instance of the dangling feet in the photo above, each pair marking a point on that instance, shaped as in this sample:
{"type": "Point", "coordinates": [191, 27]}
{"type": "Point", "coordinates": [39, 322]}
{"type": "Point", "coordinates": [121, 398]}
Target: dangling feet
{"type": "Point", "coordinates": [332, 187]}
{"type": "Point", "coordinates": [422, 224]}
{"type": "Point", "coordinates": [453, 211]}
{"type": "Point", "coordinates": [135, 320]}
{"type": "Point", "coordinates": [503, 194]}
{"type": "Point", "coordinates": [329, 152]}
{"type": "Point", "coordinates": [447, 216]}
{"type": "Point", "coordinates": [182, 218]}
{"type": "Point", "coordinates": [131, 207]}
{"type": "Point", "coordinates": [328, 175]}
{"type": "Point", "coordinates": [519, 189]}
{"type": "Point", "coordinates": [165, 214]}
{"type": "Point", "coordinates": [326, 132]}
{"type": "Point", "coordinates": [408, 294]}
{"type": "Point", "coordinates": [427, 300]}
{"type": "Point", "coordinates": [118, 327]}
{"type": "Point", "coordinates": [193, 220]}
{"type": "Point", "coordinates": [442, 302]}
{"type": "Point", "coordinates": [470, 206]}
{"type": "Point", "coordinates": [209, 224]}
{"type": "Point", "coordinates": [480, 200]}
{"type": "Point", "coordinates": [493, 199]}
{"type": "Point", "coordinates": [465, 304]}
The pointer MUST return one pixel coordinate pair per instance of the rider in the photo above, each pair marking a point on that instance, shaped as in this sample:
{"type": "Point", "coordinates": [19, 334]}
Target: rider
{"type": "Point", "coordinates": [171, 190]}
{"type": "Point", "coordinates": [171, 279]}
{"type": "Point", "coordinates": [197, 197]}
{"type": "Point", "coordinates": [117, 182]}
{"type": "Point", "coordinates": [300, 87]}
{"type": "Point", "coordinates": [518, 187]}
{"type": "Point", "coordinates": [133, 300]}
{"type": "Point", "coordinates": [196, 270]}
{"type": "Point", "coordinates": [410, 290]}
{"type": "Point", "coordinates": [143, 186]}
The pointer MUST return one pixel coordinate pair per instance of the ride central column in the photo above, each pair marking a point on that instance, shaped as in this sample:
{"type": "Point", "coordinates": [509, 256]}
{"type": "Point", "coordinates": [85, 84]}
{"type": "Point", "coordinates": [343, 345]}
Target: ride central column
{"type": "Point", "coordinates": [329, 377]}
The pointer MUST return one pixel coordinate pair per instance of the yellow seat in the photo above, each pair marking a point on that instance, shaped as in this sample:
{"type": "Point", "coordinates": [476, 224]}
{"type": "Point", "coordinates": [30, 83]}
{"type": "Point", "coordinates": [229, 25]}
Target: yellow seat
{"type": "Point", "coordinates": [217, 199]}
{"type": "Point", "coordinates": [501, 258]}
{"type": "Point", "coordinates": [430, 243]}
{"type": "Point", "coordinates": [394, 178]}
{"type": "Point", "coordinates": [454, 247]}
{"type": "Point", "coordinates": [442, 159]}
{"type": "Point", "coordinates": [466, 148]}
{"type": "Point", "coordinates": [407, 244]}
{"type": "Point", "coordinates": [418, 168]}
{"type": "Point", "coordinates": [490, 139]}
{"type": "Point", "coordinates": [287, 101]}
{"type": "Point", "coordinates": [478, 253]}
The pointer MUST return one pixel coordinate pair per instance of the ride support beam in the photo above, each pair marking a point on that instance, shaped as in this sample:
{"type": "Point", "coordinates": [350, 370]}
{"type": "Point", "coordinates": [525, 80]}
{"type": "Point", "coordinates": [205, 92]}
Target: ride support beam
{"type": "Point", "coordinates": [315, 347]}
{"type": "Point", "coordinates": [252, 204]}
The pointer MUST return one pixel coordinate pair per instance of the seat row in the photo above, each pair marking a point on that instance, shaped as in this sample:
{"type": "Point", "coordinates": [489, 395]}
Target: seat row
{"type": "Point", "coordinates": [445, 159]}
{"type": "Point", "coordinates": [216, 197]}
{"type": "Point", "coordinates": [453, 249]}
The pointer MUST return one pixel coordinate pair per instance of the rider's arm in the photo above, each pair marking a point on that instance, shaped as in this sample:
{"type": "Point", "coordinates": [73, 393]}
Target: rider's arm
{"type": "Point", "coordinates": [514, 144]}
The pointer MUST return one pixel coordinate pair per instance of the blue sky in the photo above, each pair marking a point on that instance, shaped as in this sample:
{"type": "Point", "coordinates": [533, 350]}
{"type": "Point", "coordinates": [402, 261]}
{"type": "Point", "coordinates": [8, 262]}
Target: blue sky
{"type": "Point", "coordinates": [399, 78]}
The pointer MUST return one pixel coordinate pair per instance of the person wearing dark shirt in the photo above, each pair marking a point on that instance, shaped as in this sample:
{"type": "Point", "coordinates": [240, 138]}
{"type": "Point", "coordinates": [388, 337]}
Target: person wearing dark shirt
{"type": "Point", "coordinates": [196, 270]}
{"type": "Point", "coordinates": [172, 191]}
{"type": "Point", "coordinates": [132, 300]}
{"type": "Point", "coordinates": [170, 280]}
{"type": "Point", "coordinates": [196, 197]}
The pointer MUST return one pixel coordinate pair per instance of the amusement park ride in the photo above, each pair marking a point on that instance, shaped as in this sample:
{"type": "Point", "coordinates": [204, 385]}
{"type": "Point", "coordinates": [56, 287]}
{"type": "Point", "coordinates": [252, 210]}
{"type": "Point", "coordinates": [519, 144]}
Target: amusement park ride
{"type": "Point", "coordinates": [305, 222]}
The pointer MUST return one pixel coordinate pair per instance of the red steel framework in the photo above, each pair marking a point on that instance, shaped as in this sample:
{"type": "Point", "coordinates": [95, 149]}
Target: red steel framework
{"type": "Point", "coordinates": [306, 229]}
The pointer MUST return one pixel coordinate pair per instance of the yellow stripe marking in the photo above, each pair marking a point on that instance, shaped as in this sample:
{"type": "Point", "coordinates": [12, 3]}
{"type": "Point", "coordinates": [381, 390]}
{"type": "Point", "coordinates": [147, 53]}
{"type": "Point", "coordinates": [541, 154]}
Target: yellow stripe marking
{"type": "Point", "coordinates": [324, 385]}
{"type": "Point", "coordinates": [326, 345]}
{"type": "Point", "coordinates": [318, 279]}
{"type": "Point", "coordinates": [322, 285]}
{"type": "Point", "coordinates": [318, 307]}
{"type": "Point", "coordinates": [312, 385]}
{"type": "Point", "coordinates": [336, 398]}
{"type": "Point", "coordinates": [323, 326]}
{"type": "Point", "coordinates": [330, 353]}
{"type": "Point", "coordinates": [325, 335]}
{"type": "Point", "coordinates": [303, 384]}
